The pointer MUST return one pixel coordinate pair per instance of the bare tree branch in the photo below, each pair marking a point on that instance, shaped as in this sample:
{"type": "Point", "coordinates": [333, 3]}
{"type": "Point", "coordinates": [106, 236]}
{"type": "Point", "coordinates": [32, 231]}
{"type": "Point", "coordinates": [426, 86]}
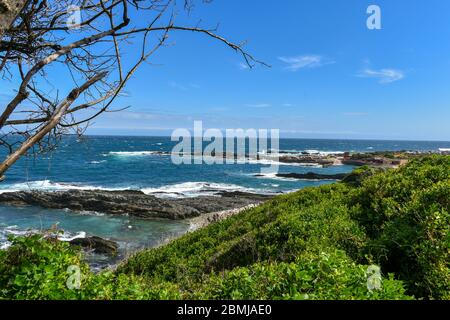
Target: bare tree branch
{"type": "Point", "coordinates": [85, 40]}
{"type": "Point", "coordinates": [52, 123]}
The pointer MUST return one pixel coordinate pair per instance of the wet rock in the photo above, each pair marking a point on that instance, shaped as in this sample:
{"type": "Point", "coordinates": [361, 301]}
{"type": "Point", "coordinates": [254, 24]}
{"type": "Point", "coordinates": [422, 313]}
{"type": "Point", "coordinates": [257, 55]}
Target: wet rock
{"type": "Point", "coordinates": [97, 244]}
{"type": "Point", "coordinates": [312, 176]}
{"type": "Point", "coordinates": [135, 203]}
{"type": "Point", "coordinates": [307, 159]}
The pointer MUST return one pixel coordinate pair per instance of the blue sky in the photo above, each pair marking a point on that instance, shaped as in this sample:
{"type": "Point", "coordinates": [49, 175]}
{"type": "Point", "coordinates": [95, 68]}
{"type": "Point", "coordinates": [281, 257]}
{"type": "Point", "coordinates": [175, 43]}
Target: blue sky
{"type": "Point", "coordinates": [331, 77]}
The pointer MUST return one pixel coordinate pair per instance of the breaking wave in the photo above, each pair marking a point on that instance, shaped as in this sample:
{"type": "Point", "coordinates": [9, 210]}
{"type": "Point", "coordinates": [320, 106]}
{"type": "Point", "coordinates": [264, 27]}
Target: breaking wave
{"type": "Point", "coordinates": [195, 189]}
{"type": "Point", "coordinates": [180, 190]}
{"type": "Point", "coordinates": [48, 185]}
{"type": "Point", "coordinates": [136, 153]}
{"type": "Point", "coordinates": [14, 230]}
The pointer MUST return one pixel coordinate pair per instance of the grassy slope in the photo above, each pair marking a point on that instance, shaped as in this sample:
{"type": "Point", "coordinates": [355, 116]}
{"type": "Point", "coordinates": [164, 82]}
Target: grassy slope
{"type": "Point", "coordinates": [316, 243]}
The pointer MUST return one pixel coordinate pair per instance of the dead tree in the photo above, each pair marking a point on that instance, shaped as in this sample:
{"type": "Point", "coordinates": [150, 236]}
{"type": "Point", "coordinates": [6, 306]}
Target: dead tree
{"type": "Point", "coordinates": [85, 39]}
{"type": "Point", "coordinates": [9, 9]}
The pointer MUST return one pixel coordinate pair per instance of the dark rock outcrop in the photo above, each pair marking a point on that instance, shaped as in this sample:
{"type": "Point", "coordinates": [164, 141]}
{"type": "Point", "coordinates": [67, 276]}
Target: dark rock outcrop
{"type": "Point", "coordinates": [97, 244]}
{"type": "Point", "coordinates": [307, 159]}
{"type": "Point", "coordinates": [135, 203]}
{"type": "Point", "coordinates": [312, 176]}
{"type": "Point", "coordinates": [240, 195]}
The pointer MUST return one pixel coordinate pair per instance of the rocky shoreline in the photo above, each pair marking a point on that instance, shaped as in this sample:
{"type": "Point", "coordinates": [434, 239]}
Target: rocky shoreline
{"type": "Point", "coordinates": [208, 218]}
{"type": "Point", "coordinates": [198, 212]}
{"type": "Point", "coordinates": [312, 176]}
{"type": "Point", "coordinates": [321, 159]}
{"type": "Point", "coordinates": [133, 203]}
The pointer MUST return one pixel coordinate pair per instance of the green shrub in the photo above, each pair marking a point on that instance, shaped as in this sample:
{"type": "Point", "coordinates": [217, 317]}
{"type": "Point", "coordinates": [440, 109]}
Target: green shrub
{"type": "Point", "coordinates": [317, 275]}
{"type": "Point", "coordinates": [405, 213]}
{"type": "Point", "coordinates": [278, 230]}
{"type": "Point", "coordinates": [397, 219]}
{"type": "Point", "coordinates": [35, 267]}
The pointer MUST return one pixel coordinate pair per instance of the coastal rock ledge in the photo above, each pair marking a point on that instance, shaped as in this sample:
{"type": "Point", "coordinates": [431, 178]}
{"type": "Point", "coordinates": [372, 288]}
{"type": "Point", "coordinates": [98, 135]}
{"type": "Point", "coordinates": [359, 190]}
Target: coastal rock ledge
{"type": "Point", "coordinates": [134, 203]}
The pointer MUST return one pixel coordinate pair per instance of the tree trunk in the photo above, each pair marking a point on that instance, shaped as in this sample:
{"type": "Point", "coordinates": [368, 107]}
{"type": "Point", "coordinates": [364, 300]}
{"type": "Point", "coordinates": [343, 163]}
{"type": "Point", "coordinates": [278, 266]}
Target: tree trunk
{"type": "Point", "coordinates": [53, 122]}
{"type": "Point", "coordinates": [9, 9]}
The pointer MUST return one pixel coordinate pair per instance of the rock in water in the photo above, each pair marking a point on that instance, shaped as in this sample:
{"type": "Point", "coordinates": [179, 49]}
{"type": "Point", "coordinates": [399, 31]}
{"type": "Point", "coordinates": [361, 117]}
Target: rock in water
{"type": "Point", "coordinates": [312, 176]}
{"type": "Point", "coordinates": [99, 245]}
{"type": "Point", "coordinates": [135, 203]}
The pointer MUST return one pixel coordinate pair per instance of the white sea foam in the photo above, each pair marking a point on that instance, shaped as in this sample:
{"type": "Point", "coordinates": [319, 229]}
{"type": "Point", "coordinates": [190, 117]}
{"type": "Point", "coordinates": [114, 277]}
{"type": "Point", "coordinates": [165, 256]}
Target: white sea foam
{"type": "Point", "coordinates": [323, 153]}
{"type": "Point", "coordinates": [195, 189]}
{"type": "Point", "coordinates": [11, 230]}
{"type": "Point", "coordinates": [273, 176]}
{"type": "Point", "coordinates": [16, 231]}
{"type": "Point", "coordinates": [285, 152]}
{"type": "Point", "coordinates": [48, 185]}
{"type": "Point", "coordinates": [90, 213]}
{"type": "Point", "coordinates": [67, 236]}
{"type": "Point", "coordinates": [134, 153]}
{"type": "Point", "coordinates": [180, 190]}
{"type": "Point", "coordinates": [272, 162]}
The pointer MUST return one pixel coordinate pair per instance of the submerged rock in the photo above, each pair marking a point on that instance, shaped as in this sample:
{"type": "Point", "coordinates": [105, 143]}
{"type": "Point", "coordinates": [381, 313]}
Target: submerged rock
{"type": "Point", "coordinates": [135, 203]}
{"type": "Point", "coordinates": [307, 159]}
{"type": "Point", "coordinates": [97, 244]}
{"type": "Point", "coordinates": [312, 176]}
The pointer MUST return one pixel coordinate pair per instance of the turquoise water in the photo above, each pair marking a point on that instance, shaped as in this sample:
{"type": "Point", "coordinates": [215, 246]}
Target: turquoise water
{"type": "Point", "coordinates": [114, 163]}
{"type": "Point", "coordinates": [130, 233]}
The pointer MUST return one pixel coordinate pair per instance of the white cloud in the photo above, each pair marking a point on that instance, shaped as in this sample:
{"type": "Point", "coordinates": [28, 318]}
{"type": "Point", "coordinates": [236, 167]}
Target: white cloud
{"type": "Point", "coordinates": [218, 109]}
{"type": "Point", "coordinates": [305, 61]}
{"type": "Point", "coordinates": [384, 75]}
{"type": "Point", "coordinates": [183, 87]}
{"type": "Point", "coordinates": [178, 86]}
{"type": "Point", "coordinates": [355, 114]}
{"type": "Point", "coordinates": [319, 132]}
{"type": "Point", "coordinates": [243, 66]}
{"type": "Point", "coordinates": [258, 105]}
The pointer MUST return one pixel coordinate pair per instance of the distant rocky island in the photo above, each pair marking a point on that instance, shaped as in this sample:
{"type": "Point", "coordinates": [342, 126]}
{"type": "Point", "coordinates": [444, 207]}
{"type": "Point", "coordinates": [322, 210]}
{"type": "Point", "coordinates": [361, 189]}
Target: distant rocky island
{"type": "Point", "coordinates": [374, 159]}
{"type": "Point", "coordinates": [312, 176]}
{"type": "Point", "coordinates": [327, 159]}
{"type": "Point", "coordinates": [386, 159]}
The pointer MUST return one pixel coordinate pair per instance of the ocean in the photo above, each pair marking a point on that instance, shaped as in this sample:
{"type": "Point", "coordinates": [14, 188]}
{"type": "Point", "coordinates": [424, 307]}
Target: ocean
{"type": "Point", "coordinates": [142, 163]}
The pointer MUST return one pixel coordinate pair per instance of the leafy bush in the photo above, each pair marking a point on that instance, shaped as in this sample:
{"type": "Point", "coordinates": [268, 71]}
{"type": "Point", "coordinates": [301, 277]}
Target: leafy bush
{"type": "Point", "coordinates": [358, 175]}
{"type": "Point", "coordinates": [406, 214]}
{"type": "Point", "coordinates": [397, 219]}
{"type": "Point", "coordinates": [318, 275]}
{"type": "Point", "coordinates": [278, 230]}
{"type": "Point", "coordinates": [35, 267]}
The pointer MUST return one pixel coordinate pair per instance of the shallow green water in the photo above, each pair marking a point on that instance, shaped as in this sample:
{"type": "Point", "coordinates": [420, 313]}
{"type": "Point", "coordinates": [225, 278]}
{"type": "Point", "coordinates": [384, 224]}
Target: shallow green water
{"type": "Point", "coordinates": [130, 233]}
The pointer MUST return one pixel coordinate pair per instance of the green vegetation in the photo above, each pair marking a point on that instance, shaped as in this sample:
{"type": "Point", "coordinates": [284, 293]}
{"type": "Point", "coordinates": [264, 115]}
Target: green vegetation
{"type": "Point", "coordinates": [387, 154]}
{"type": "Point", "coordinates": [317, 243]}
{"type": "Point", "coordinates": [38, 268]}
